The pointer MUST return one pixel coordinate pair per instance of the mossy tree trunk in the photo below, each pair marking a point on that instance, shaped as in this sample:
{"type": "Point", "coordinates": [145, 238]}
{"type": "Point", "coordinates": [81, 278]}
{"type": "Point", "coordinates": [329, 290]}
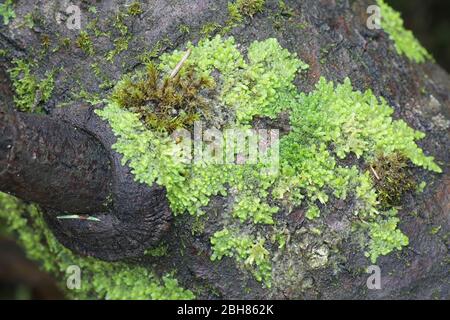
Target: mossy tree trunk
{"type": "Point", "coordinates": [60, 167]}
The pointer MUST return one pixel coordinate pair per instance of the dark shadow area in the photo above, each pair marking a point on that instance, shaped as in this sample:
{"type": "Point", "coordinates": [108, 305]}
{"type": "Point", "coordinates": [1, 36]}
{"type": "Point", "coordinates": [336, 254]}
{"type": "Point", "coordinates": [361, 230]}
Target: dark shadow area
{"type": "Point", "coordinates": [21, 278]}
{"type": "Point", "coordinates": [430, 22]}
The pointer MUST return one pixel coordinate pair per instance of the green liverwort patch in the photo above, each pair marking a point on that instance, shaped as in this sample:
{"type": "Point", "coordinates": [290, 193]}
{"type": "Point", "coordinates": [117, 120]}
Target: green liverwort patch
{"type": "Point", "coordinates": [100, 280]}
{"type": "Point", "coordinates": [404, 40]}
{"type": "Point", "coordinates": [252, 207]}
{"type": "Point", "coordinates": [7, 11]}
{"type": "Point", "coordinates": [385, 237]}
{"type": "Point", "coordinates": [30, 91]}
{"type": "Point", "coordinates": [84, 42]}
{"type": "Point", "coordinates": [328, 125]}
{"type": "Point", "coordinates": [250, 252]}
{"type": "Point", "coordinates": [313, 212]}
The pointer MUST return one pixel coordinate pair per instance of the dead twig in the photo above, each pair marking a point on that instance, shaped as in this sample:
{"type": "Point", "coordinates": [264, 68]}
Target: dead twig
{"type": "Point", "coordinates": [181, 63]}
{"type": "Point", "coordinates": [375, 173]}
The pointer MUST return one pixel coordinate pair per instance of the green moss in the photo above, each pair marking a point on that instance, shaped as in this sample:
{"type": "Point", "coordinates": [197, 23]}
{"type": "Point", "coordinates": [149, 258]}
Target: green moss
{"type": "Point", "coordinates": [184, 28]}
{"type": "Point", "coordinates": [385, 237]}
{"type": "Point", "coordinates": [63, 43]}
{"type": "Point", "coordinates": [121, 42]}
{"type": "Point", "coordinates": [421, 187]}
{"type": "Point", "coordinates": [119, 23]}
{"type": "Point", "coordinates": [89, 97]}
{"type": "Point", "coordinates": [159, 251]}
{"type": "Point", "coordinates": [302, 25]}
{"type": "Point", "coordinates": [250, 7]}
{"type": "Point", "coordinates": [28, 20]}
{"type": "Point", "coordinates": [313, 212]}
{"type": "Point", "coordinates": [7, 11]}
{"type": "Point", "coordinates": [99, 280]}
{"type": "Point", "coordinates": [198, 226]}
{"type": "Point", "coordinates": [84, 42]}
{"type": "Point", "coordinates": [391, 178]}
{"type": "Point", "coordinates": [148, 56]}
{"type": "Point", "coordinates": [120, 45]}
{"type": "Point", "coordinates": [250, 252]}
{"type": "Point", "coordinates": [328, 125]}
{"type": "Point", "coordinates": [284, 13]}
{"type": "Point", "coordinates": [92, 9]}
{"type": "Point", "coordinates": [45, 42]}
{"type": "Point", "coordinates": [30, 91]}
{"type": "Point", "coordinates": [235, 15]}
{"type": "Point", "coordinates": [135, 9]}
{"type": "Point", "coordinates": [238, 10]}
{"type": "Point", "coordinates": [404, 40]}
{"type": "Point", "coordinates": [251, 207]}
{"type": "Point", "coordinates": [435, 230]}
{"type": "Point", "coordinates": [209, 29]}
{"type": "Point", "coordinates": [94, 28]}
{"type": "Point", "coordinates": [165, 104]}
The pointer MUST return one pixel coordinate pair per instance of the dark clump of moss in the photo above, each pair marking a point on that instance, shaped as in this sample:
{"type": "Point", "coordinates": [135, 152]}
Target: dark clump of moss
{"type": "Point", "coordinates": [84, 42]}
{"type": "Point", "coordinates": [135, 9]}
{"type": "Point", "coordinates": [250, 7]}
{"type": "Point", "coordinates": [166, 103]}
{"type": "Point", "coordinates": [392, 178]}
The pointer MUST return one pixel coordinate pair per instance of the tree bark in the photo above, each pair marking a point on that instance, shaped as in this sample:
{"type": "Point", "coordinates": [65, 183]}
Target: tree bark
{"type": "Point", "coordinates": [53, 163]}
{"type": "Point", "coordinates": [332, 37]}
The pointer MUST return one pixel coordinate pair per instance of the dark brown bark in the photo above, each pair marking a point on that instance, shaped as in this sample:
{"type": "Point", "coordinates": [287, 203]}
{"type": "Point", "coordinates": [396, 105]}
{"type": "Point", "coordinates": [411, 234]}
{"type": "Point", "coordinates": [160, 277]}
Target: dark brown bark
{"type": "Point", "coordinates": [53, 163]}
{"type": "Point", "coordinates": [66, 165]}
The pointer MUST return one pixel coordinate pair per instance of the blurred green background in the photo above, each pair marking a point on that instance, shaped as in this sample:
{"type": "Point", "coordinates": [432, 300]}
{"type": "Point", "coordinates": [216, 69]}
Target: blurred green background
{"type": "Point", "coordinates": [430, 22]}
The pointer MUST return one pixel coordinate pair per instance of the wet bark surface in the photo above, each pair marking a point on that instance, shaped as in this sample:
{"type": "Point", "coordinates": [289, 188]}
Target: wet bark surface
{"type": "Point", "coordinates": [336, 43]}
{"type": "Point", "coordinates": [53, 163]}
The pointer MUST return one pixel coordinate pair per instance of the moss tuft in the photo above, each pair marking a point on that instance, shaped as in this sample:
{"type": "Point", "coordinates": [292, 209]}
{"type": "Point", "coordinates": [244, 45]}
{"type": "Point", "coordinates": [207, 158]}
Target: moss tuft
{"type": "Point", "coordinates": [84, 42]}
{"type": "Point", "coordinates": [209, 29]}
{"type": "Point", "coordinates": [30, 91]}
{"type": "Point", "coordinates": [391, 178]}
{"type": "Point", "coordinates": [135, 9]}
{"type": "Point", "coordinates": [250, 7]}
{"type": "Point", "coordinates": [7, 11]}
{"type": "Point", "coordinates": [165, 104]}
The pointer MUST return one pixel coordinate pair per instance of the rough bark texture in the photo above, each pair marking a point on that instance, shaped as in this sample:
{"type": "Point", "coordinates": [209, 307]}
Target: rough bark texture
{"type": "Point", "coordinates": [53, 163]}
{"type": "Point", "coordinates": [61, 163]}
{"type": "Point", "coordinates": [336, 44]}
{"type": "Point", "coordinates": [138, 217]}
